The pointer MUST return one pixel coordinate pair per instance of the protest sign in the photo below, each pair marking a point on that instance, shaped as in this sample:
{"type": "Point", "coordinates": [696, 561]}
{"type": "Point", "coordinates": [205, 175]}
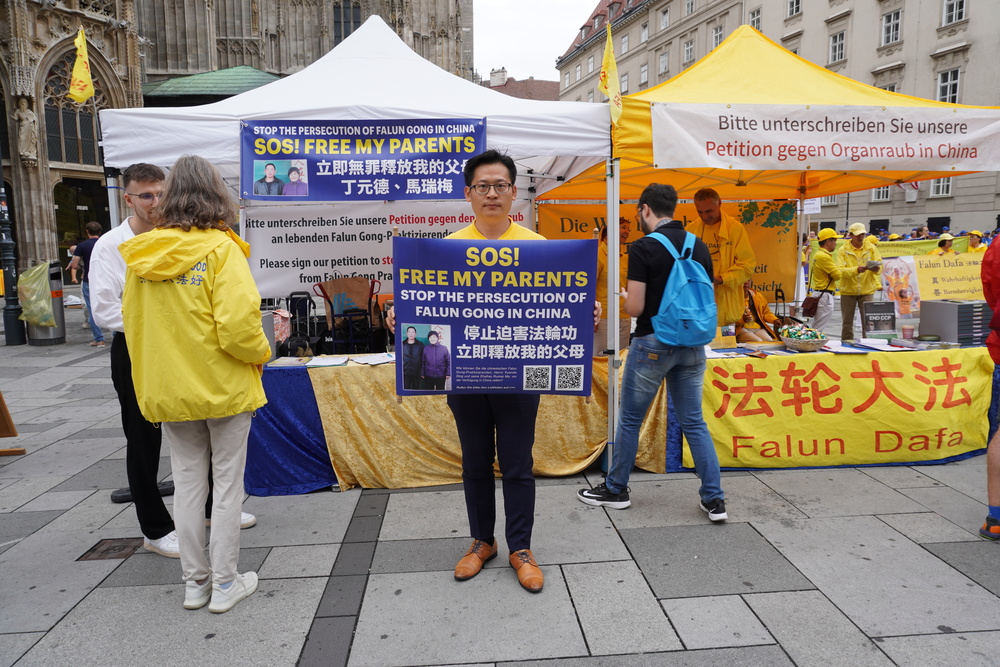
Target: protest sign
{"type": "Point", "coordinates": [356, 160]}
{"type": "Point", "coordinates": [494, 316]}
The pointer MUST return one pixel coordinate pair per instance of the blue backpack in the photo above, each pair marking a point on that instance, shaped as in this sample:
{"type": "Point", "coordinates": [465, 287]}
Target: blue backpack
{"type": "Point", "coordinates": [687, 314]}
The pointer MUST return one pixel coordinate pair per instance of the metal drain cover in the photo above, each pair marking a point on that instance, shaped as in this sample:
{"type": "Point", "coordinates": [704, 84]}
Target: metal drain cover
{"type": "Point", "coordinates": [122, 547]}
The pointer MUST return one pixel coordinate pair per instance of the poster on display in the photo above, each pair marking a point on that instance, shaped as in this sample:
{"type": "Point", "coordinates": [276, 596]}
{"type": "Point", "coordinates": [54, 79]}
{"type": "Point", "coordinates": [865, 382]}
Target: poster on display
{"type": "Point", "coordinates": [900, 286]}
{"type": "Point", "coordinates": [878, 319]}
{"type": "Point", "coordinates": [294, 247]}
{"type": "Point", "coordinates": [770, 226]}
{"type": "Point", "coordinates": [357, 160]}
{"type": "Point", "coordinates": [837, 410]}
{"type": "Point", "coordinates": [494, 316]}
{"type": "Point", "coordinates": [950, 276]}
{"type": "Point", "coordinates": [817, 136]}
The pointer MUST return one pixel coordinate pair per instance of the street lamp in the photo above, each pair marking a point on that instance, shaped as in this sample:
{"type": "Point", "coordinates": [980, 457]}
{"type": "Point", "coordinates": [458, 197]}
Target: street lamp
{"type": "Point", "coordinates": [13, 328]}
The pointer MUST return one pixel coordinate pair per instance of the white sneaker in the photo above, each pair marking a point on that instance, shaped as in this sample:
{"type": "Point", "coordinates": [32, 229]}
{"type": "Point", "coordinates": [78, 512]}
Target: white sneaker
{"type": "Point", "coordinates": [165, 546]}
{"type": "Point", "coordinates": [225, 599]}
{"type": "Point", "coordinates": [197, 596]}
{"type": "Point", "coordinates": [246, 520]}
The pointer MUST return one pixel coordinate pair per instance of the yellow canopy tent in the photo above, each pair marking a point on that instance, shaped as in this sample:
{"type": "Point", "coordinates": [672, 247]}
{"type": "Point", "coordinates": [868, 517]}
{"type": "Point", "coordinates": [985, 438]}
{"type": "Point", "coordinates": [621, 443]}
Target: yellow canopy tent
{"type": "Point", "coordinates": [754, 121]}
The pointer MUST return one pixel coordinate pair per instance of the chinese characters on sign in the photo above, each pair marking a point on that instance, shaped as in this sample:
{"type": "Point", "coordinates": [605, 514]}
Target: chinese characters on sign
{"type": "Point", "coordinates": [494, 316]}
{"type": "Point", "coordinates": [815, 410]}
{"type": "Point", "coordinates": [357, 160]}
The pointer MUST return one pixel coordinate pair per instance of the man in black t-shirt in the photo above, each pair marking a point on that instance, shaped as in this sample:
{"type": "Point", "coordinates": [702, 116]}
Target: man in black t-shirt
{"type": "Point", "coordinates": [81, 262]}
{"type": "Point", "coordinates": [650, 362]}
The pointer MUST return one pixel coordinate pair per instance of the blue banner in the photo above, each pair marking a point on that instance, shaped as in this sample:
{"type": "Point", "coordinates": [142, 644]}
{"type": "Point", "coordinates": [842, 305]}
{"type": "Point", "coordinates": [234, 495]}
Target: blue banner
{"type": "Point", "coordinates": [357, 160]}
{"type": "Point", "coordinates": [505, 317]}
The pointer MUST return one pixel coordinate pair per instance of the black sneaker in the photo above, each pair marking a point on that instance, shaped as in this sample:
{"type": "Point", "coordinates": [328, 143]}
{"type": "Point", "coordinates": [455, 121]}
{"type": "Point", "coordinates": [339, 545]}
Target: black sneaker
{"type": "Point", "coordinates": [716, 509]}
{"type": "Point", "coordinates": [599, 496]}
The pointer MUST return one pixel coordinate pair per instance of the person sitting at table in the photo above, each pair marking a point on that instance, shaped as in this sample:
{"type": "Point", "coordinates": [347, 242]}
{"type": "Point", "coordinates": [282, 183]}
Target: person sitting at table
{"type": "Point", "coordinates": [436, 363]}
{"type": "Point", "coordinates": [413, 360]}
{"type": "Point", "coordinates": [758, 322]}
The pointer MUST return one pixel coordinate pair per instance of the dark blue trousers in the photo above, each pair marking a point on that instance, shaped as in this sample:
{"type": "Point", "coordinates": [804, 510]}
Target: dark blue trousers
{"type": "Point", "coordinates": [498, 426]}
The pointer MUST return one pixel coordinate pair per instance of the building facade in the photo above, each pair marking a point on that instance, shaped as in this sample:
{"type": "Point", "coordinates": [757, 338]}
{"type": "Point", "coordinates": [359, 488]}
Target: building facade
{"type": "Point", "coordinates": [526, 89]}
{"type": "Point", "coordinates": [936, 49]}
{"type": "Point", "coordinates": [49, 145]}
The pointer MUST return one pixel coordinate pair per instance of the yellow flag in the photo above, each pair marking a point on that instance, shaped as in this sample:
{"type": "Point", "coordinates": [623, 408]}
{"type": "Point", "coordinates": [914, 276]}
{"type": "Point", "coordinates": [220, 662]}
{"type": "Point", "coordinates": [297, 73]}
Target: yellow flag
{"type": "Point", "coordinates": [81, 88]}
{"type": "Point", "coordinates": [609, 79]}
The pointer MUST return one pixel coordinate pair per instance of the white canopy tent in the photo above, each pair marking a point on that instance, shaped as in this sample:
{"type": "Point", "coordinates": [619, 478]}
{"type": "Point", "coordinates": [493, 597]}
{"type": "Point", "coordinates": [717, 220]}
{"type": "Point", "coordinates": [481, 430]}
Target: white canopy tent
{"type": "Point", "coordinates": [371, 75]}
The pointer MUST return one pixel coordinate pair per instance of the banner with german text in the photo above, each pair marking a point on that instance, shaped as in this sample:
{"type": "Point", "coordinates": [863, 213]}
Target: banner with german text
{"type": "Point", "coordinates": [822, 137]}
{"type": "Point", "coordinates": [295, 247]}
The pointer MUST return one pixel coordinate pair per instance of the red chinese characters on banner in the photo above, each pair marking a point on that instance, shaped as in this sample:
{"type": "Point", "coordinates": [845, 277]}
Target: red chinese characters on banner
{"type": "Point", "coordinates": [748, 389]}
{"type": "Point", "coordinates": [818, 388]}
{"type": "Point", "coordinates": [949, 382]}
{"type": "Point", "coordinates": [881, 387]}
{"type": "Point", "coordinates": [806, 390]}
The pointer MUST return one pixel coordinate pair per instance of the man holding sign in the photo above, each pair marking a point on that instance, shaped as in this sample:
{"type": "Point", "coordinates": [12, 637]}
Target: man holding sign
{"type": "Point", "coordinates": [496, 425]}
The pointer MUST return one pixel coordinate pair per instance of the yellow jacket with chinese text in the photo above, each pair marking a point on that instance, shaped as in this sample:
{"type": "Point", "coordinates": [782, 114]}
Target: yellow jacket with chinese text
{"type": "Point", "coordinates": [192, 319]}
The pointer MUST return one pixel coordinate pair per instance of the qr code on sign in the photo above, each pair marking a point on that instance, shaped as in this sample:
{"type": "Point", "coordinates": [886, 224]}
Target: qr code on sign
{"type": "Point", "coordinates": [569, 378]}
{"type": "Point", "coordinates": [538, 378]}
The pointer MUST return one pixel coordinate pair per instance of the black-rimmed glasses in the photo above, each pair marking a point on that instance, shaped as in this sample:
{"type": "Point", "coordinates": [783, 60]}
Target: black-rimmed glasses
{"type": "Point", "coordinates": [145, 196]}
{"type": "Point", "coordinates": [484, 188]}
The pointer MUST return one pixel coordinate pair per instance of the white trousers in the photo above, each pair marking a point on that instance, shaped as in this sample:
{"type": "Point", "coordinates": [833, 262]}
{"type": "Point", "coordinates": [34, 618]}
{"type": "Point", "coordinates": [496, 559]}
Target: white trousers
{"type": "Point", "coordinates": [198, 449]}
{"type": "Point", "coordinates": [824, 311]}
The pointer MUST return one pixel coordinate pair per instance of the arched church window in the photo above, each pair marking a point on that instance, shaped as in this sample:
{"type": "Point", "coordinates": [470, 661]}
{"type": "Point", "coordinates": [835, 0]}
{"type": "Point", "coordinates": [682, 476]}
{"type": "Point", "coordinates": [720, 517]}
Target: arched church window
{"type": "Point", "coordinates": [71, 128]}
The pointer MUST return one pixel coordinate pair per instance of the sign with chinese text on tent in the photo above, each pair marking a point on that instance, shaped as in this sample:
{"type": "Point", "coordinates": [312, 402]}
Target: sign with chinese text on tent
{"type": "Point", "coordinates": [357, 160]}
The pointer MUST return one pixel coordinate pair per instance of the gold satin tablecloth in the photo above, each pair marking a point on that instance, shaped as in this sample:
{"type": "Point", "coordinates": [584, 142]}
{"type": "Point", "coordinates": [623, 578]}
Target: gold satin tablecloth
{"type": "Point", "coordinates": [376, 442]}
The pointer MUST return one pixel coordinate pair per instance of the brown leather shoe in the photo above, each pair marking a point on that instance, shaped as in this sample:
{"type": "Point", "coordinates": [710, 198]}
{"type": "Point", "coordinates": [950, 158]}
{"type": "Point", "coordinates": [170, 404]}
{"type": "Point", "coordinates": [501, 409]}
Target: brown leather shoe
{"type": "Point", "coordinates": [472, 562]}
{"type": "Point", "coordinates": [528, 572]}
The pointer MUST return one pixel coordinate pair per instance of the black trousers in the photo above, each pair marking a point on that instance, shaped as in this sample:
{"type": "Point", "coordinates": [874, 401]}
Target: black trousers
{"type": "Point", "coordinates": [498, 426]}
{"type": "Point", "coordinates": [142, 448]}
{"type": "Point", "coordinates": [434, 382]}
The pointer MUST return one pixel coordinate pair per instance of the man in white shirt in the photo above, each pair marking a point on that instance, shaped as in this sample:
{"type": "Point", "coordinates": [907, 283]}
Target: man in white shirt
{"type": "Point", "coordinates": [143, 184]}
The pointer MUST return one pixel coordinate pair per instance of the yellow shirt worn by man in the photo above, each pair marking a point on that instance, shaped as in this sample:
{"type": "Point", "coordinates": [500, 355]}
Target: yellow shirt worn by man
{"type": "Point", "coordinates": [849, 259]}
{"type": "Point", "coordinates": [732, 256]}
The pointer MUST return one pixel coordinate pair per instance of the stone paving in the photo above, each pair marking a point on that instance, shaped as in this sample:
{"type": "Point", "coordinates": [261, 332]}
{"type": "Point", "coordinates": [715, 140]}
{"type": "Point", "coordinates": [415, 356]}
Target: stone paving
{"type": "Point", "coordinates": [856, 566]}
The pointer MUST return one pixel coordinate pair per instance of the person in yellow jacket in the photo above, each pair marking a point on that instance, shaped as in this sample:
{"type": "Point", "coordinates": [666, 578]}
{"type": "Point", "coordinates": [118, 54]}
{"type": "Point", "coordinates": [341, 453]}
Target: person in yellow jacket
{"type": "Point", "coordinates": [191, 314]}
{"type": "Point", "coordinates": [976, 241]}
{"type": "Point", "coordinates": [732, 256]}
{"type": "Point", "coordinates": [944, 246]}
{"type": "Point", "coordinates": [861, 265]}
{"type": "Point", "coordinates": [624, 320]}
{"type": "Point", "coordinates": [824, 277]}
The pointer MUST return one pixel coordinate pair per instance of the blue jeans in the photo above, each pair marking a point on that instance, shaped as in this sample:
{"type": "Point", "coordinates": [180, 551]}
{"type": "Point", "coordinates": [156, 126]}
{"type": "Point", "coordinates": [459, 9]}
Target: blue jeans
{"type": "Point", "coordinates": [649, 362]}
{"type": "Point", "coordinates": [94, 329]}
